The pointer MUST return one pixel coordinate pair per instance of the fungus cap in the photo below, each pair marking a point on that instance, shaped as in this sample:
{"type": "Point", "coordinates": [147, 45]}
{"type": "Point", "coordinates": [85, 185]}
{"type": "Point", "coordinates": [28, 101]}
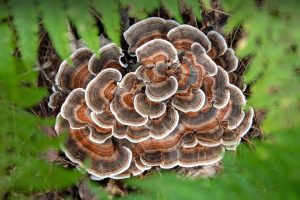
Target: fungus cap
{"type": "Point", "coordinates": [180, 107]}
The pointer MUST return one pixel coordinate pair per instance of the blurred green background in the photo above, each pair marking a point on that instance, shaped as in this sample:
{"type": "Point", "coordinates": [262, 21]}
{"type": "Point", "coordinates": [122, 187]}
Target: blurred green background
{"type": "Point", "coordinates": [267, 169]}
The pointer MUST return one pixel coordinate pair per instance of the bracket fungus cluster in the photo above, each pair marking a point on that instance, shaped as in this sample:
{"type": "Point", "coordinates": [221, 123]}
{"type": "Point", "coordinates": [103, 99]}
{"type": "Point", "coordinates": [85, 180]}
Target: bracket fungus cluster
{"type": "Point", "coordinates": [178, 108]}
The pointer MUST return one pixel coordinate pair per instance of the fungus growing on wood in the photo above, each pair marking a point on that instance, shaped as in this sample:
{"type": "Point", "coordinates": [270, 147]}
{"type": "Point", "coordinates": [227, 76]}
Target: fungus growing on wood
{"type": "Point", "coordinates": [178, 108]}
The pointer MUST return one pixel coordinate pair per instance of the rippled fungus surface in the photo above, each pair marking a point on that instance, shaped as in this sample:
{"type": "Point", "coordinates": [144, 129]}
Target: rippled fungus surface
{"type": "Point", "coordinates": [178, 108]}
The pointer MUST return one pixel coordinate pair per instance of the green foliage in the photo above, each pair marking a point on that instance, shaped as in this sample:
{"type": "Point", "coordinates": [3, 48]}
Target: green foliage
{"type": "Point", "coordinates": [25, 21]}
{"type": "Point", "coordinates": [21, 140]}
{"type": "Point", "coordinates": [272, 39]}
{"type": "Point", "coordinates": [54, 18]}
{"type": "Point", "coordinates": [173, 7]}
{"type": "Point", "coordinates": [110, 17]}
{"type": "Point", "coordinates": [140, 9]}
{"type": "Point", "coordinates": [84, 22]}
{"type": "Point", "coordinates": [194, 5]}
{"type": "Point", "coordinates": [250, 174]}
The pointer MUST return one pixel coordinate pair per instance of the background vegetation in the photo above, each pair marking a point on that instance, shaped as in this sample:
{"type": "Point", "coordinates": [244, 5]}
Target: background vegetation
{"type": "Point", "coordinates": [270, 42]}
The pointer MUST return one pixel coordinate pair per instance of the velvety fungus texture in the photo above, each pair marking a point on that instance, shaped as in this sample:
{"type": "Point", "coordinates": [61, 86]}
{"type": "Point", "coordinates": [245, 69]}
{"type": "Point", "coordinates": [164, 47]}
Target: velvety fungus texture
{"type": "Point", "coordinates": [178, 108]}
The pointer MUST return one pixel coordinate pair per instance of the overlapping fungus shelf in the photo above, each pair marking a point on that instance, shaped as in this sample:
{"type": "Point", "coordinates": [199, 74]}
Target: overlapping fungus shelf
{"type": "Point", "coordinates": [178, 108]}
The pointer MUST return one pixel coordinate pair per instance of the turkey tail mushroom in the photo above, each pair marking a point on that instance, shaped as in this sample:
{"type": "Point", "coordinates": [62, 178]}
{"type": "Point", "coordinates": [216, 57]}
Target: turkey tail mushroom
{"type": "Point", "coordinates": [147, 108]}
{"type": "Point", "coordinates": [181, 107]}
{"type": "Point", "coordinates": [76, 111]}
{"type": "Point", "coordinates": [158, 92]}
{"type": "Point", "coordinates": [100, 91]}
{"type": "Point", "coordinates": [100, 160]}
{"type": "Point", "coordinates": [228, 61]}
{"type": "Point", "coordinates": [191, 101]}
{"type": "Point", "coordinates": [218, 44]}
{"type": "Point", "coordinates": [233, 137]}
{"type": "Point", "coordinates": [107, 57]}
{"type": "Point", "coordinates": [147, 30]}
{"type": "Point", "coordinates": [183, 36]}
{"type": "Point", "coordinates": [74, 73]}
{"type": "Point", "coordinates": [155, 52]}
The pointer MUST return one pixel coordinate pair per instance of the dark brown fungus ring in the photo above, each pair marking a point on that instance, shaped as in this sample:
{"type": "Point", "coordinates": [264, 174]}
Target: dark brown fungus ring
{"type": "Point", "coordinates": [189, 75]}
{"type": "Point", "coordinates": [122, 107]}
{"type": "Point", "coordinates": [155, 52]}
{"type": "Point", "coordinates": [100, 91]}
{"type": "Point", "coordinates": [191, 101]}
{"type": "Point", "coordinates": [76, 111]}
{"type": "Point", "coordinates": [246, 123]}
{"type": "Point", "coordinates": [155, 152]}
{"type": "Point", "coordinates": [147, 30]}
{"type": "Point", "coordinates": [201, 58]}
{"type": "Point", "coordinates": [228, 60]}
{"type": "Point", "coordinates": [134, 134]}
{"type": "Point", "coordinates": [234, 114]}
{"type": "Point", "coordinates": [218, 44]}
{"type": "Point", "coordinates": [210, 138]}
{"type": "Point", "coordinates": [74, 73]}
{"type": "Point", "coordinates": [162, 126]}
{"type": "Point", "coordinates": [232, 138]}
{"type": "Point", "coordinates": [216, 88]}
{"type": "Point", "coordinates": [100, 160]}
{"type": "Point", "coordinates": [107, 57]}
{"type": "Point", "coordinates": [171, 154]}
{"type": "Point", "coordinates": [183, 36]}
{"type": "Point", "coordinates": [105, 119]}
{"type": "Point", "coordinates": [133, 170]}
{"type": "Point", "coordinates": [131, 82]}
{"type": "Point", "coordinates": [200, 120]}
{"type": "Point", "coordinates": [189, 141]}
{"type": "Point", "coordinates": [145, 74]}
{"type": "Point", "coordinates": [200, 156]}
{"type": "Point", "coordinates": [158, 92]}
{"type": "Point", "coordinates": [181, 107]}
{"type": "Point", "coordinates": [149, 74]}
{"type": "Point", "coordinates": [56, 99]}
{"type": "Point", "coordinates": [147, 108]}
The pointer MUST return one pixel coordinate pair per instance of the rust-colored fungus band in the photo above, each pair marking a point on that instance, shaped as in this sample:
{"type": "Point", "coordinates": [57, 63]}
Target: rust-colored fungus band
{"type": "Point", "coordinates": [181, 107]}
